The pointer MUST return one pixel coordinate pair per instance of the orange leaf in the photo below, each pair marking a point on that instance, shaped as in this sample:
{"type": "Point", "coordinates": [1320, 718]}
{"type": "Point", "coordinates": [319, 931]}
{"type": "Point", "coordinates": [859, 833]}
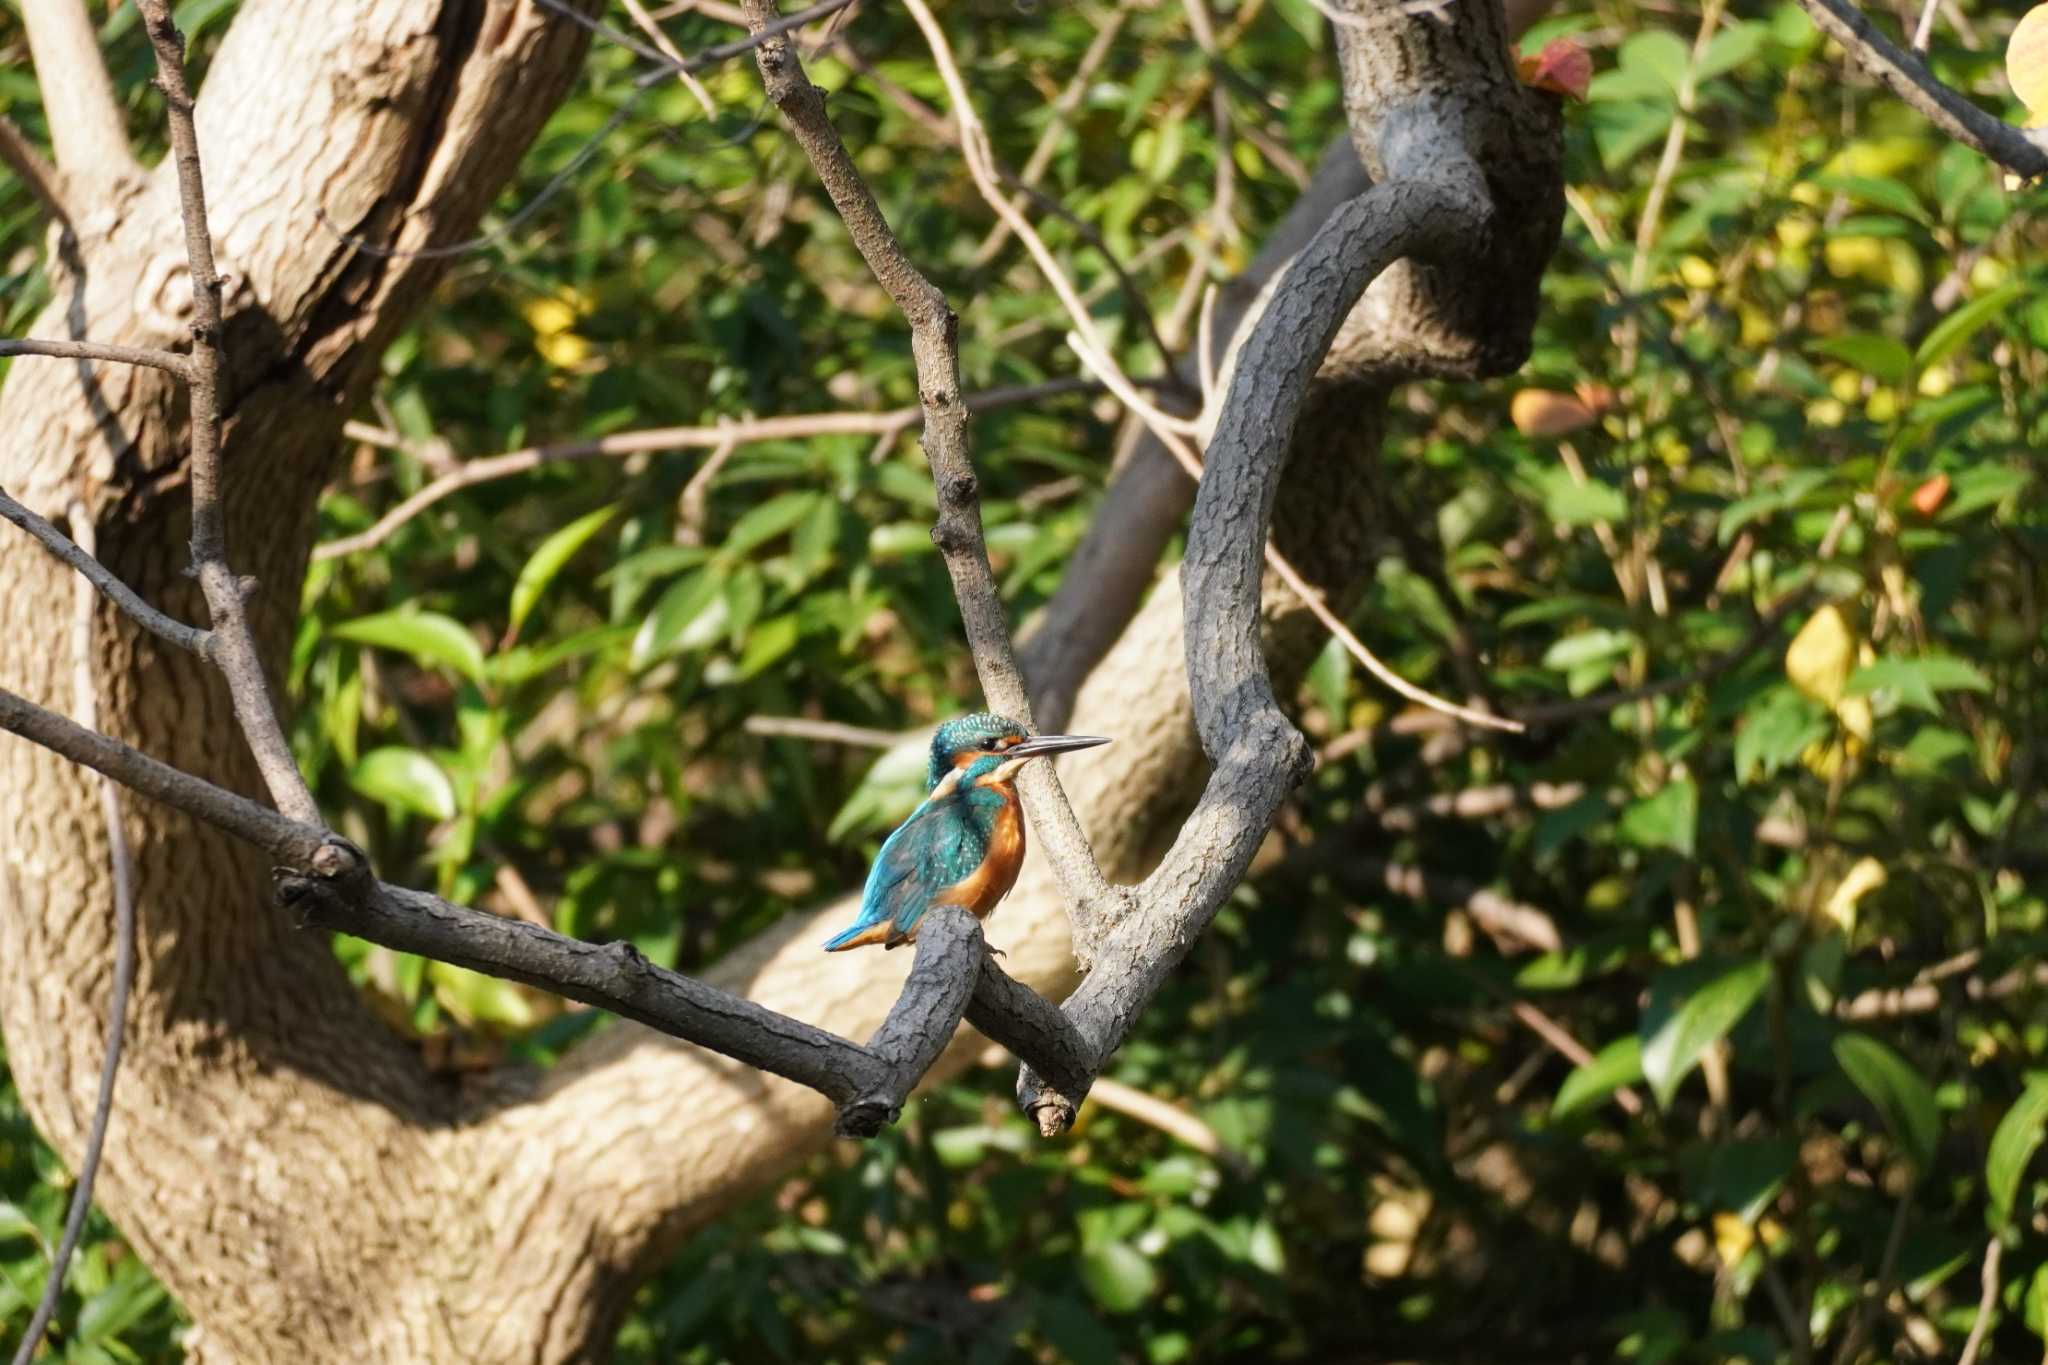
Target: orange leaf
{"type": "Point", "coordinates": [1927, 498]}
{"type": "Point", "coordinates": [2026, 61]}
{"type": "Point", "coordinates": [1598, 398]}
{"type": "Point", "coordinates": [1545, 412]}
{"type": "Point", "coordinates": [1562, 67]}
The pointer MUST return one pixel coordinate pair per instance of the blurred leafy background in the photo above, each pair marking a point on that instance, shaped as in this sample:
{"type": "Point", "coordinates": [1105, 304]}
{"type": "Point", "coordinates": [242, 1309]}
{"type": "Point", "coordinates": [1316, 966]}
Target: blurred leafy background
{"type": "Point", "coordinates": [1775, 447]}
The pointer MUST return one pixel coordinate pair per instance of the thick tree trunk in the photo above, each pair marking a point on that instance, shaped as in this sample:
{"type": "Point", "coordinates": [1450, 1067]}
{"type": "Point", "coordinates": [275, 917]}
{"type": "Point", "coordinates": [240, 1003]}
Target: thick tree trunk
{"type": "Point", "coordinates": [282, 1161]}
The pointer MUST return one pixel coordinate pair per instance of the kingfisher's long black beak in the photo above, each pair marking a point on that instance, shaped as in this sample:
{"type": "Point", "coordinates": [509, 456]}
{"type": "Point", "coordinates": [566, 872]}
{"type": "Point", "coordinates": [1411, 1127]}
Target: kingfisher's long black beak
{"type": "Point", "coordinates": [1041, 746]}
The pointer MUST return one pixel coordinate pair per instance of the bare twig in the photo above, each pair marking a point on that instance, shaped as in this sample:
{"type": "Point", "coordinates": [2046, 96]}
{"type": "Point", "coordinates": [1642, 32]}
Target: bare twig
{"type": "Point", "coordinates": [1095, 354]}
{"type": "Point", "coordinates": [1170, 1119]}
{"type": "Point", "coordinates": [85, 703]}
{"type": "Point", "coordinates": [1765, 630]}
{"type": "Point", "coordinates": [169, 361]}
{"type": "Point", "coordinates": [823, 731]}
{"type": "Point", "coordinates": [1924, 30]}
{"type": "Point", "coordinates": [1107, 27]}
{"type": "Point", "coordinates": [2021, 151]}
{"type": "Point", "coordinates": [29, 165]}
{"type": "Point", "coordinates": [227, 596]}
{"type": "Point", "coordinates": [149, 618]}
{"type": "Point", "coordinates": [86, 126]}
{"type": "Point", "coordinates": [657, 439]}
{"type": "Point", "coordinates": [1987, 1300]}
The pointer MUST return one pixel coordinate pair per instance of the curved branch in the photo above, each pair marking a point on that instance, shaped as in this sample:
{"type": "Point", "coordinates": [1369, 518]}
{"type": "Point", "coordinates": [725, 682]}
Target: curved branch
{"type": "Point", "coordinates": [1905, 75]}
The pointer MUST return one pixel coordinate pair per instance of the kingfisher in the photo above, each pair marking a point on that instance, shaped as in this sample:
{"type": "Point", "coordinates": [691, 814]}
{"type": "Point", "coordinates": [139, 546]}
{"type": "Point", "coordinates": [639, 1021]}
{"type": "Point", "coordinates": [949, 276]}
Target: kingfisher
{"type": "Point", "coordinates": [964, 844]}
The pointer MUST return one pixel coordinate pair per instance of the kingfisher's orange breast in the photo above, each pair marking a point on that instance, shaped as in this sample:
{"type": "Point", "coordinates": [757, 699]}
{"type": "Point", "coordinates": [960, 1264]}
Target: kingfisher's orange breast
{"type": "Point", "coordinates": [980, 889]}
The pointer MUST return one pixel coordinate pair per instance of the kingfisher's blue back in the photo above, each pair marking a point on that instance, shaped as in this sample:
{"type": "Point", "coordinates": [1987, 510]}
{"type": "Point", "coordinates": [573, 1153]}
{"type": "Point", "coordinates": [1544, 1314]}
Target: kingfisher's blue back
{"type": "Point", "coordinates": [964, 844]}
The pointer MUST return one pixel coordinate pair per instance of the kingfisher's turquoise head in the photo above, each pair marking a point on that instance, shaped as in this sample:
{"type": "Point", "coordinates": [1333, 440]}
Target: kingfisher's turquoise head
{"type": "Point", "coordinates": [983, 742]}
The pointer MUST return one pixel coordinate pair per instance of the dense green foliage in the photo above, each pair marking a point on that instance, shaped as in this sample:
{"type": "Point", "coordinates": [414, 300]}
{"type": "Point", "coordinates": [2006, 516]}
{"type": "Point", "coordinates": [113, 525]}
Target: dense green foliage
{"type": "Point", "coordinates": [1827, 361]}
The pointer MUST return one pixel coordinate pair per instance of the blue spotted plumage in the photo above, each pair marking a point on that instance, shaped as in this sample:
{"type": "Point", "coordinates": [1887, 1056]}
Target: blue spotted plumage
{"type": "Point", "coordinates": [965, 843]}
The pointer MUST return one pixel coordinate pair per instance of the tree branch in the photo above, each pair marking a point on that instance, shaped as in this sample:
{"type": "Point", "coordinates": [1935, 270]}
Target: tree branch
{"type": "Point", "coordinates": [86, 126]}
{"type": "Point", "coordinates": [234, 651]}
{"type": "Point", "coordinates": [169, 361]}
{"type": "Point", "coordinates": [2020, 151]}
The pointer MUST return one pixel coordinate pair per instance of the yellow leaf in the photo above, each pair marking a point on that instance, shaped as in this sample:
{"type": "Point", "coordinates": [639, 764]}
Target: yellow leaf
{"type": "Point", "coordinates": [1865, 877]}
{"type": "Point", "coordinates": [1822, 655]}
{"type": "Point", "coordinates": [1732, 1238]}
{"type": "Point", "coordinates": [548, 317]}
{"type": "Point", "coordinates": [563, 350]}
{"type": "Point", "coordinates": [2026, 61]}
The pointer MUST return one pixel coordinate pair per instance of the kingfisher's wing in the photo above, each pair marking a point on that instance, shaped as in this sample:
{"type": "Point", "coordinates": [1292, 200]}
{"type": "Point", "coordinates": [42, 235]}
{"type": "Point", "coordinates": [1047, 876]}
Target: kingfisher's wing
{"type": "Point", "coordinates": [929, 852]}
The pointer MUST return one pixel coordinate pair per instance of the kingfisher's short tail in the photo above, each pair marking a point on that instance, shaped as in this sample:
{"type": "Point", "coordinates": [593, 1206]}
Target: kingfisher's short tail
{"type": "Point", "coordinates": [858, 936]}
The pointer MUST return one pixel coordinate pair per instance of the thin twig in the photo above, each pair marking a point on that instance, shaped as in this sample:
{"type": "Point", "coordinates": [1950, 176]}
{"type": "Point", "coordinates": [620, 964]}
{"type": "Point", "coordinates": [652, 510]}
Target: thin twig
{"type": "Point", "coordinates": [32, 168]}
{"type": "Point", "coordinates": [1765, 630]}
{"type": "Point", "coordinates": [1088, 344]}
{"type": "Point", "coordinates": [1170, 1119]}
{"type": "Point", "coordinates": [85, 704]}
{"type": "Point", "coordinates": [1987, 1300]}
{"type": "Point", "coordinates": [1107, 27]}
{"type": "Point", "coordinates": [823, 731]}
{"type": "Point", "coordinates": [2021, 151]}
{"type": "Point", "coordinates": [657, 439]}
{"type": "Point", "coordinates": [149, 618]}
{"type": "Point", "coordinates": [1924, 30]}
{"type": "Point", "coordinates": [227, 596]}
{"type": "Point", "coordinates": [169, 361]}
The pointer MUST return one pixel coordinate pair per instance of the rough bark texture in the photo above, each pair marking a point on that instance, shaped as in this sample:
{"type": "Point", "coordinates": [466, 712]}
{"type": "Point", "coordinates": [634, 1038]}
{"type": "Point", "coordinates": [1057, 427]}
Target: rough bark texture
{"type": "Point", "coordinates": [284, 1163]}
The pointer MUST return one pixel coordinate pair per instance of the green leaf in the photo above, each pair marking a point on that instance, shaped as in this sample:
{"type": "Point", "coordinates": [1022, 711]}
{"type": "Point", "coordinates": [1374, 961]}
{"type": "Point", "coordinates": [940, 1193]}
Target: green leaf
{"type": "Point", "coordinates": [1901, 1097]}
{"type": "Point", "coordinates": [1692, 1007]}
{"type": "Point", "coordinates": [427, 637]}
{"type": "Point", "coordinates": [2013, 1145]}
{"type": "Point", "coordinates": [766, 643]}
{"type": "Point", "coordinates": [1119, 1276]}
{"type": "Point", "coordinates": [407, 779]}
{"type": "Point", "coordinates": [1618, 1064]}
{"type": "Point", "coordinates": [1775, 729]}
{"type": "Point", "coordinates": [1958, 327]}
{"type": "Point", "coordinates": [15, 1223]}
{"type": "Point", "coordinates": [1893, 195]}
{"type": "Point", "coordinates": [1981, 486]}
{"type": "Point", "coordinates": [1776, 495]}
{"type": "Point", "coordinates": [768, 520]}
{"type": "Point", "coordinates": [1661, 53]}
{"type": "Point", "coordinates": [1571, 503]}
{"type": "Point", "coordinates": [1741, 1176]}
{"type": "Point", "coordinates": [1917, 680]}
{"type": "Point", "coordinates": [1881, 357]}
{"type": "Point", "coordinates": [679, 607]}
{"type": "Point", "coordinates": [1668, 819]}
{"type": "Point", "coordinates": [1588, 646]}
{"type": "Point", "coordinates": [547, 561]}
